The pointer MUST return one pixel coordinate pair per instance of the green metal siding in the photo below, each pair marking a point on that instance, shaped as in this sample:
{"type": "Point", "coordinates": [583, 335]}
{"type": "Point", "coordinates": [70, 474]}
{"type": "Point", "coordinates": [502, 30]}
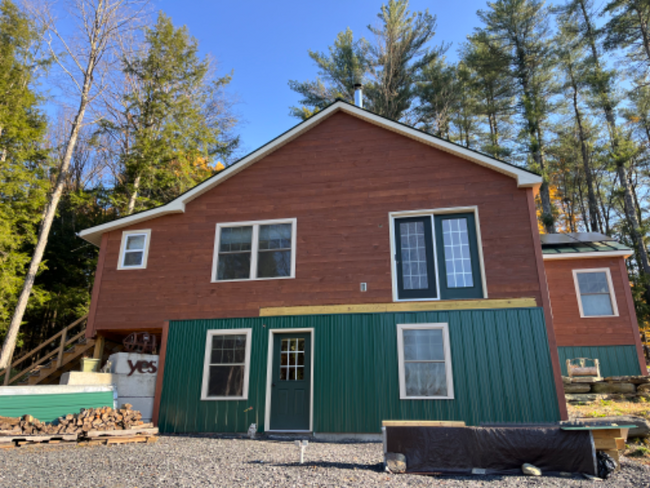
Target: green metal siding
{"type": "Point", "coordinates": [46, 408]}
{"type": "Point", "coordinates": [501, 368]}
{"type": "Point", "coordinates": [614, 360]}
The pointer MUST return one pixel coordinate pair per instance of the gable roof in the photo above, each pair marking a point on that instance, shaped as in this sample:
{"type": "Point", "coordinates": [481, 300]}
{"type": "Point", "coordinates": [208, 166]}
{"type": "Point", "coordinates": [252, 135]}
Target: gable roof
{"type": "Point", "coordinates": [525, 178]}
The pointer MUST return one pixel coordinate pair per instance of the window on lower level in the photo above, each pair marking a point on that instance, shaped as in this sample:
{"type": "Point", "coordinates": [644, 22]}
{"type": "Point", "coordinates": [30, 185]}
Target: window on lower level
{"type": "Point", "coordinates": [226, 366]}
{"type": "Point", "coordinates": [255, 250]}
{"type": "Point", "coordinates": [437, 256]}
{"type": "Point", "coordinates": [595, 292]}
{"type": "Point", "coordinates": [134, 249]}
{"type": "Point", "coordinates": [424, 361]}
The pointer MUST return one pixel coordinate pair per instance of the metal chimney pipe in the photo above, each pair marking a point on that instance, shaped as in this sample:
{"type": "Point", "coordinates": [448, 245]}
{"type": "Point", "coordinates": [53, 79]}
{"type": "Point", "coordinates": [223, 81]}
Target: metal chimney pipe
{"type": "Point", "coordinates": [358, 95]}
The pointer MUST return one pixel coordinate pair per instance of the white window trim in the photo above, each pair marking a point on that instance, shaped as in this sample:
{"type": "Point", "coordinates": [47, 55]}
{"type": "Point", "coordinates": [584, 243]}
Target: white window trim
{"type": "Point", "coordinates": [612, 295]}
{"type": "Point", "coordinates": [206, 363]}
{"type": "Point", "coordinates": [400, 359]}
{"type": "Point", "coordinates": [254, 248]}
{"type": "Point", "coordinates": [392, 216]}
{"type": "Point", "coordinates": [145, 255]}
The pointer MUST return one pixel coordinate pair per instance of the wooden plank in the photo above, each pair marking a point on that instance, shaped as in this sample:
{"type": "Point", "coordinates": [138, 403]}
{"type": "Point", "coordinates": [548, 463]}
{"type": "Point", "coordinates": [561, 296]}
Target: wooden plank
{"type": "Point", "coordinates": [126, 440]}
{"type": "Point", "coordinates": [121, 433]}
{"type": "Point", "coordinates": [605, 443]}
{"type": "Point", "coordinates": [421, 423]}
{"type": "Point", "coordinates": [39, 438]}
{"type": "Point", "coordinates": [607, 433]}
{"type": "Point", "coordinates": [400, 307]}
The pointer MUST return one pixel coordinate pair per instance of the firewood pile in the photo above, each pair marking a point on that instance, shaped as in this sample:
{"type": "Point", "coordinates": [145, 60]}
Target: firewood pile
{"type": "Point", "coordinates": [90, 419]}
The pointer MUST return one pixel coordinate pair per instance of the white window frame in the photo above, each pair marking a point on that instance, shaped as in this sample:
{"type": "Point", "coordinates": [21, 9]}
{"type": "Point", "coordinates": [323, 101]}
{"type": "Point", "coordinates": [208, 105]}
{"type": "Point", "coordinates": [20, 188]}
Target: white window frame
{"type": "Point", "coordinates": [255, 224]}
{"type": "Point", "coordinates": [610, 284]}
{"type": "Point", "coordinates": [206, 363]}
{"type": "Point", "coordinates": [400, 359]}
{"type": "Point", "coordinates": [145, 255]}
{"type": "Point", "coordinates": [392, 216]}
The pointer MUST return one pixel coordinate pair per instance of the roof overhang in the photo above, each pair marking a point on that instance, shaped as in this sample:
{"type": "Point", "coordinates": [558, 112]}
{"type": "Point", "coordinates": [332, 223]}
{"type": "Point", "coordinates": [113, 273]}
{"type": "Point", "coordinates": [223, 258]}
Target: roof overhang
{"type": "Point", "coordinates": [587, 255]}
{"type": "Point", "coordinates": [525, 179]}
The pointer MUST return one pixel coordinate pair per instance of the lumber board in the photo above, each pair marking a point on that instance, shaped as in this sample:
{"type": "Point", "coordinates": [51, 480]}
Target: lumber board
{"type": "Point", "coordinates": [421, 423]}
{"type": "Point", "coordinates": [120, 433]}
{"type": "Point", "coordinates": [400, 307]}
{"type": "Point", "coordinates": [605, 443]}
{"type": "Point", "coordinates": [608, 433]}
{"type": "Point", "coordinates": [38, 438]}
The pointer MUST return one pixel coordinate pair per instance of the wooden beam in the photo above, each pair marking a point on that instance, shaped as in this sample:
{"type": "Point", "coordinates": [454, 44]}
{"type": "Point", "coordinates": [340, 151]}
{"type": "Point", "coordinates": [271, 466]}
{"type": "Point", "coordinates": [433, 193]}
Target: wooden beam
{"type": "Point", "coordinates": [99, 347]}
{"type": "Point", "coordinates": [400, 307]}
{"type": "Point", "coordinates": [422, 423]}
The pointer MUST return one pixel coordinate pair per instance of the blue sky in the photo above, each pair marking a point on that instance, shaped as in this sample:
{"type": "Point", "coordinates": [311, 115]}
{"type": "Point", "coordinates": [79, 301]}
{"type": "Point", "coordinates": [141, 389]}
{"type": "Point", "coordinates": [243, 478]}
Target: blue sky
{"type": "Point", "coordinates": [266, 43]}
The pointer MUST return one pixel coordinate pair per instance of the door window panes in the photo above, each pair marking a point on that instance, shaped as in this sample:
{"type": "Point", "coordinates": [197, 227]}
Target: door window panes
{"type": "Point", "coordinates": [595, 294]}
{"type": "Point", "coordinates": [414, 256]}
{"type": "Point", "coordinates": [292, 359]}
{"type": "Point", "coordinates": [458, 261]}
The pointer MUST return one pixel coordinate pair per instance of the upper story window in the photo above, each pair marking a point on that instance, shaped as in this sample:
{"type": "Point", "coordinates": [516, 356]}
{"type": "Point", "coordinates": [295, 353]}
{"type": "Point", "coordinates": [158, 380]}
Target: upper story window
{"type": "Point", "coordinates": [437, 256]}
{"type": "Point", "coordinates": [134, 249]}
{"type": "Point", "coordinates": [255, 250]}
{"type": "Point", "coordinates": [595, 292]}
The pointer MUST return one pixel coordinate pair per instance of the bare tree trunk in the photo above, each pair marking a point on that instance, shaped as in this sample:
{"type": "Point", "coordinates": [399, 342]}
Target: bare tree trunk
{"type": "Point", "coordinates": [133, 196]}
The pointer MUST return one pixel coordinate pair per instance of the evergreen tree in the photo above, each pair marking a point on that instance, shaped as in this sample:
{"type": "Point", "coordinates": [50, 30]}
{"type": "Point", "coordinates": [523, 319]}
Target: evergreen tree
{"type": "Point", "coordinates": [345, 65]}
{"type": "Point", "coordinates": [520, 27]}
{"type": "Point", "coordinates": [629, 28]}
{"type": "Point", "coordinates": [175, 120]}
{"type": "Point", "coordinates": [437, 92]}
{"type": "Point", "coordinates": [23, 161]}
{"type": "Point", "coordinates": [495, 92]}
{"type": "Point", "coordinates": [400, 53]}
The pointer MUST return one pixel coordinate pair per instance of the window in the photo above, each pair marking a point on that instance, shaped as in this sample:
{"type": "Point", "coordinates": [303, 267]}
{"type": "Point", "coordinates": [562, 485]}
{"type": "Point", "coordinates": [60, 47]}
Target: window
{"type": "Point", "coordinates": [255, 250]}
{"type": "Point", "coordinates": [595, 292]}
{"type": "Point", "coordinates": [134, 249]}
{"type": "Point", "coordinates": [424, 361]}
{"type": "Point", "coordinates": [292, 359]}
{"type": "Point", "coordinates": [437, 256]}
{"type": "Point", "coordinates": [227, 365]}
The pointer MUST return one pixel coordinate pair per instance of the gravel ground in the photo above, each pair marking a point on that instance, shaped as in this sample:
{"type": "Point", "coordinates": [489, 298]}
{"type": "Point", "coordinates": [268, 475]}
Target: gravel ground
{"type": "Point", "coordinates": [203, 461]}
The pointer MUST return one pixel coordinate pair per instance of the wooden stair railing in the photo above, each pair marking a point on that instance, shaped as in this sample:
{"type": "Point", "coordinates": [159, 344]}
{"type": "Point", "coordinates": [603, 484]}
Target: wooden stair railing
{"type": "Point", "coordinates": [62, 336]}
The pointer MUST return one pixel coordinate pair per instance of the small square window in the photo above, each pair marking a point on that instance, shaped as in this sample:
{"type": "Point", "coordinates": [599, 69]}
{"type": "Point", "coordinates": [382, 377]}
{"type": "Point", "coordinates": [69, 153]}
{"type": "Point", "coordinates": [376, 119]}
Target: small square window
{"type": "Point", "coordinates": [134, 249]}
{"type": "Point", "coordinates": [595, 293]}
{"type": "Point", "coordinates": [227, 365]}
{"type": "Point", "coordinates": [424, 362]}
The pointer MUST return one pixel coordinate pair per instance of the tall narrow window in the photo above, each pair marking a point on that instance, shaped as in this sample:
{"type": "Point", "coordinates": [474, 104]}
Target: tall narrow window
{"type": "Point", "coordinates": [458, 261]}
{"type": "Point", "coordinates": [134, 249]}
{"type": "Point", "coordinates": [595, 293]}
{"type": "Point", "coordinates": [416, 273]}
{"type": "Point", "coordinates": [227, 364]}
{"type": "Point", "coordinates": [424, 361]}
{"type": "Point", "coordinates": [255, 250]}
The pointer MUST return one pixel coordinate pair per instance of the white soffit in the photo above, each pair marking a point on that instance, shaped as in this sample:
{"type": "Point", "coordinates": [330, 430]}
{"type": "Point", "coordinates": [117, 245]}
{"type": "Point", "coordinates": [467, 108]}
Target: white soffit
{"type": "Point", "coordinates": [524, 178]}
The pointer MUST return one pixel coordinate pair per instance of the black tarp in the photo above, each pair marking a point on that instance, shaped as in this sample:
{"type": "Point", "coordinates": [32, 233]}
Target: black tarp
{"type": "Point", "coordinates": [499, 450]}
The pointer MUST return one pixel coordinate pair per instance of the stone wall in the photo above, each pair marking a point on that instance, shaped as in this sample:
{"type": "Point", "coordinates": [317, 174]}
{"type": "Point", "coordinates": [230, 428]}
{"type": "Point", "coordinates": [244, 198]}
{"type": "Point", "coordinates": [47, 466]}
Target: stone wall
{"type": "Point", "coordinates": [586, 389]}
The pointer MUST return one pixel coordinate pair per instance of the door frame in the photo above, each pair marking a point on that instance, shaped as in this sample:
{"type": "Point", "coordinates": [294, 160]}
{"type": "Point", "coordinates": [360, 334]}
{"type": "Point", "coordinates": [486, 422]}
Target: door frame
{"type": "Point", "coordinates": [269, 379]}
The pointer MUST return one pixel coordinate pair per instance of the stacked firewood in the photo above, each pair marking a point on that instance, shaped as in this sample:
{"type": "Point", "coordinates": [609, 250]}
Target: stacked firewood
{"type": "Point", "coordinates": [103, 419]}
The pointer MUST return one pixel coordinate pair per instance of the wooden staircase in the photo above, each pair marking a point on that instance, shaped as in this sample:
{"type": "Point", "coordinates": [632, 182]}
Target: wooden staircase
{"type": "Point", "coordinates": [65, 352]}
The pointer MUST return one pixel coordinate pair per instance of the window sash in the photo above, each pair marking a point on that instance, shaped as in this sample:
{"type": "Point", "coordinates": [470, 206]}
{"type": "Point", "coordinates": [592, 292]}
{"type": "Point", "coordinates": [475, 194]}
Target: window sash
{"type": "Point", "coordinates": [585, 308]}
{"type": "Point", "coordinates": [406, 389]}
{"type": "Point", "coordinates": [255, 251]}
{"type": "Point", "coordinates": [126, 249]}
{"type": "Point", "coordinates": [208, 365]}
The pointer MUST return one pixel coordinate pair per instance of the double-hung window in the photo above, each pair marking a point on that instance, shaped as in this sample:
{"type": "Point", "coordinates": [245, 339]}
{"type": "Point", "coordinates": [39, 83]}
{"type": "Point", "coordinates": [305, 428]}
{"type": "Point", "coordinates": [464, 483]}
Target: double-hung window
{"type": "Point", "coordinates": [437, 256]}
{"type": "Point", "coordinates": [424, 361]}
{"type": "Point", "coordinates": [595, 292]}
{"type": "Point", "coordinates": [226, 366]}
{"type": "Point", "coordinates": [134, 249]}
{"type": "Point", "coordinates": [255, 250]}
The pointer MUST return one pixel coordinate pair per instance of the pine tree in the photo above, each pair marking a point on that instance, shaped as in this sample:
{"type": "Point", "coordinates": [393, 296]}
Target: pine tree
{"type": "Point", "coordinates": [23, 161]}
{"type": "Point", "coordinates": [175, 120]}
{"type": "Point", "coordinates": [629, 28]}
{"type": "Point", "coordinates": [520, 27]}
{"type": "Point", "coordinates": [345, 65]}
{"type": "Point", "coordinates": [400, 53]}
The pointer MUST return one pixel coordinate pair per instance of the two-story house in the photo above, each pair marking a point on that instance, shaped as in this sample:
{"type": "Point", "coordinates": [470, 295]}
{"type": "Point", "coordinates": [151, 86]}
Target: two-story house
{"type": "Point", "coordinates": [352, 270]}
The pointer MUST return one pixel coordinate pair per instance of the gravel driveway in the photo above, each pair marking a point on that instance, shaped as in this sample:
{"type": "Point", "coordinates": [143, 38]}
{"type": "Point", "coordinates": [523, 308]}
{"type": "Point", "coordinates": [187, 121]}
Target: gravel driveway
{"type": "Point", "coordinates": [202, 461]}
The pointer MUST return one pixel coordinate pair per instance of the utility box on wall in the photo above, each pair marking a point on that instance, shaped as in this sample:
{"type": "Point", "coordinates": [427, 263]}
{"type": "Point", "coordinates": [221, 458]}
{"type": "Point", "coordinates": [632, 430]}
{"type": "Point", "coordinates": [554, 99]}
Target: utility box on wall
{"type": "Point", "coordinates": [134, 376]}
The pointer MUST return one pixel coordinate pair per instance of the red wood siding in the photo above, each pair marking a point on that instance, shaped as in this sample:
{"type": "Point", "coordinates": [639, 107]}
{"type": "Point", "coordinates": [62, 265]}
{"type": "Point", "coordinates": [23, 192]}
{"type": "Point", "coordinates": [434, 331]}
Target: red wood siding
{"type": "Point", "coordinates": [573, 330]}
{"type": "Point", "coordinates": [340, 180]}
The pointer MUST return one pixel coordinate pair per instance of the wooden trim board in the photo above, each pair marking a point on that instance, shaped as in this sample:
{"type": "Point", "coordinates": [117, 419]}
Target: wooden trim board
{"type": "Point", "coordinates": [422, 423]}
{"type": "Point", "coordinates": [400, 307]}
